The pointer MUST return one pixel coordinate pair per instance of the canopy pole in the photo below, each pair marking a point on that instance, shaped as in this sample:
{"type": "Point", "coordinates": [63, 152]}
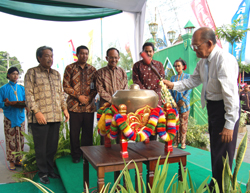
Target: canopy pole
{"type": "Point", "coordinates": [101, 42]}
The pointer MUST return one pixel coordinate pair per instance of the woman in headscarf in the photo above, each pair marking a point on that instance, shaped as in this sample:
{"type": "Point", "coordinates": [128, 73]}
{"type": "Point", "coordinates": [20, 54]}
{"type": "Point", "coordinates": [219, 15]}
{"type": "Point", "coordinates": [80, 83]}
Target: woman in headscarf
{"type": "Point", "coordinates": [183, 102]}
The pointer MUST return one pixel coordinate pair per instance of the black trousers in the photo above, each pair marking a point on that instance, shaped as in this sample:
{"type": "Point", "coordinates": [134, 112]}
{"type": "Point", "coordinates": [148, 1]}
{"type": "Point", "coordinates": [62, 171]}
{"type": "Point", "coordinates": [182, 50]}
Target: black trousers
{"type": "Point", "coordinates": [216, 121]}
{"type": "Point", "coordinates": [45, 140]}
{"type": "Point", "coordinates": [76, 122]}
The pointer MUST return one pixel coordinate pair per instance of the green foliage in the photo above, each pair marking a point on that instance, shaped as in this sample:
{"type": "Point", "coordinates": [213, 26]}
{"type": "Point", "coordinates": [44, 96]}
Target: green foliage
{"type": "Point", "coordinates": [169, 74]}
{"type": "Point", "coordinates": [229, 180]}
{"type": "Point", "coordinates": [99, 63]}
{"type": "Point", "coordinates": [232, 32]}
{"type": "Point", "coordinates": [13, 61]}
{"type": "Point", "coordinates": [130, 82]}
{"type": "Point", "coordinates": [96, 137]}
{"type": "Point", "coordinates": [63, 148]}
{"type": "Point", "coordinates": [196, 134]}
{"type": "Point", "coordinates": [244, 67]}
{"type": "Point", "coordinates": [125, 61]}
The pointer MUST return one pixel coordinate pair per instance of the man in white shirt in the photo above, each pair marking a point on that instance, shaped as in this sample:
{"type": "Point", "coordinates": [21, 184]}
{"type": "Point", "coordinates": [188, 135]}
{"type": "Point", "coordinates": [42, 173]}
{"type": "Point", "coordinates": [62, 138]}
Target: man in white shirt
{"type": "Point", "coordinates": [218, 71]}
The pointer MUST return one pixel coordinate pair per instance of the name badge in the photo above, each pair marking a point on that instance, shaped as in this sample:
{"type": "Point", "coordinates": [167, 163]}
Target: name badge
{"type": "Point", "coordinates": [92, 85]}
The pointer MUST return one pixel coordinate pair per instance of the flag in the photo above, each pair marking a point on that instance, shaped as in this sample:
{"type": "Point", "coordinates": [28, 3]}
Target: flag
{"type": "Point", "coordinates": [90, 45]}
{"type": "Point", "coordinates": [203, 15]}
{"type": "Point", "coordinates": [71, 45]}
{"type": "Point", "coordinates": [243, 14]}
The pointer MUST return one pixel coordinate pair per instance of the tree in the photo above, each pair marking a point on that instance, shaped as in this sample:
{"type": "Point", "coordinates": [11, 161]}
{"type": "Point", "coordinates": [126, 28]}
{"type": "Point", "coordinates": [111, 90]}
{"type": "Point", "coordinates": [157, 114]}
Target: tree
{"type": "Point", "coordinates": [13, 61]}
{"type": "Point", "coordinates": [232, 32]}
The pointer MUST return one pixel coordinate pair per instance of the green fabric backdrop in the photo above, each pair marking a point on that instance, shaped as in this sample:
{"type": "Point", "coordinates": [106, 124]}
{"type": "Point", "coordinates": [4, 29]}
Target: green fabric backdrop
{"type": "Point", "coordinates": [54, 11]}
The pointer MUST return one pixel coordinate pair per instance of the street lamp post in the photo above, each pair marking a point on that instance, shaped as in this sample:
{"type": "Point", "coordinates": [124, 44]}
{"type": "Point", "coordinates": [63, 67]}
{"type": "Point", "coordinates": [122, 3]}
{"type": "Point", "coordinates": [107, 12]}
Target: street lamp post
{"type": "Point", "coordinates": [153, 28]}
{"type": "Point", "coordinates": [171, 36]}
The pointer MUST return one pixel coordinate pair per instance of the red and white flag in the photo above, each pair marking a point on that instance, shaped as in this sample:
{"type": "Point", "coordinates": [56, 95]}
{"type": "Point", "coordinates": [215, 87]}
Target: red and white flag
{"type": "Point", "coordinates": [203, 15]}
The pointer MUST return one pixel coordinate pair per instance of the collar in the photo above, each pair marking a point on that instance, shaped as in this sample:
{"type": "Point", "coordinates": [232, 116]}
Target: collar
{"type": "Point", "coordinates": [45, 69]}
{"type": "Point", "coordinates": [212, 54]}
{"type": "Point", "coordinates": [79, 65]}
{"type": "Point", "coordinates": [12, 83]}
{"type": "Point", "coordinates": [111, 68]}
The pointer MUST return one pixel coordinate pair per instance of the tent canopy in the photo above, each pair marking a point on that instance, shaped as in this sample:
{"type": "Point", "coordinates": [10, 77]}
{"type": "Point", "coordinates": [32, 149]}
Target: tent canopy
{"type": "Point", "coordinates": [77, 10]}
{"type": "Point", "coordinates": [55, 11]}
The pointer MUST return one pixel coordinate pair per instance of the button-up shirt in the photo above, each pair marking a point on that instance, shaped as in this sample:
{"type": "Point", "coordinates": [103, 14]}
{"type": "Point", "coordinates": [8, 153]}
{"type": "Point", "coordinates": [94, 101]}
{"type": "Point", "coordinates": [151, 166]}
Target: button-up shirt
{"type": "Point", "coordinates": [221, 85]}
{"type": "Point", "coordinates": [80, 80]}
{"type": "Point", "coordinates": [44, 94]}
{"type": "Point", "coordinates": [108, 81]}
{"type": "Point", "coordinates": [144, 76]}
{"type": "Point", "coordinates": [15, 115]}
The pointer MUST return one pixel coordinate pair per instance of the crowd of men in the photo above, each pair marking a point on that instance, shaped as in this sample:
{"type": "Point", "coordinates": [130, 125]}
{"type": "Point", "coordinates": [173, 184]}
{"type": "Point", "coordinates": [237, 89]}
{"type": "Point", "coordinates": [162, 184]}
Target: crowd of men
{"type": "Point", "coordinates": [43, 95]}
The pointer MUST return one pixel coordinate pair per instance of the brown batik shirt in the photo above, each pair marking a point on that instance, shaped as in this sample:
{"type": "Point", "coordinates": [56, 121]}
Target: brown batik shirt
{"type": "Point", "coordinates": [43, 93]}
{"type": "Point", "coordinates": [78, 81]}
{"type": "Point", "coordinates": [144, 76]}
{"type": "Point", "coordinates": [108, 81]}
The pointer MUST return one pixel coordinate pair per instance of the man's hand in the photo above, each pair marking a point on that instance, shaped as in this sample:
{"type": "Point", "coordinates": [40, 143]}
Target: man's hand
{"type": "Point", "coordinates": [226, 135]}
{"type": "Point", "coordinates": [40, 118]}
{"type": "Point", "coordinates": [180, 103]}
{"type": "Point", "coordinates": [6, 102]}
{"type": "Point", "coordinates": [83, 99]}
{"type": "Point", "coordinates": [168, 83]}
{"type": "Point", "coordinates": [66, 115]}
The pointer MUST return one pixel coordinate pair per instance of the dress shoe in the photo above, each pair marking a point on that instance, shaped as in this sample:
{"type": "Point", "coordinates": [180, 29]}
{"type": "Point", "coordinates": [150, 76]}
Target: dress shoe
{"type": "Point", "coordinates": [54, 175]}
{"type": "Point", "coordinates": [76, 160]}
{"type": "Point", "coordinates": [44, 179]}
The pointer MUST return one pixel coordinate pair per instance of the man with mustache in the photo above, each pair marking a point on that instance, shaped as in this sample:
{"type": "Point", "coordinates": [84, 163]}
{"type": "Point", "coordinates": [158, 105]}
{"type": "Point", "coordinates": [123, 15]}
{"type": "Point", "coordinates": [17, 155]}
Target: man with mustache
{"type": "Point", "coordinates": [110, 78]}
{"type": "Point", "coordinates": [45, 101]}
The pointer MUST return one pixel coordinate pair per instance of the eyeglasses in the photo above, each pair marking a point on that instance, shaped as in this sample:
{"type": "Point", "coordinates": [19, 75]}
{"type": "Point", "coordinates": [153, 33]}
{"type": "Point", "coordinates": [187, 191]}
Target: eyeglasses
{"type": "Point", "coordinates": [177, 66]}
{"type": "Point", "coordinates": [113, 58]}
{"type": "Point", "coordinates": [195, 47]}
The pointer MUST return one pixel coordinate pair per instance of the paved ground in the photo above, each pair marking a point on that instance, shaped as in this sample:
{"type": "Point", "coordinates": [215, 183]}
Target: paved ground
{"type": "Point", "coordinates": [6, 175]}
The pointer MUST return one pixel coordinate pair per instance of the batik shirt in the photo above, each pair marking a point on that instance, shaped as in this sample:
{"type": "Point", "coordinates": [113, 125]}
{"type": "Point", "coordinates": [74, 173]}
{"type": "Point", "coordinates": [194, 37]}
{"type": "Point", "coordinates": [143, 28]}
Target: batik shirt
{"type": "Point", "coordinates": [44, 94]}
{"type": "Point", "coordinates": [78, 81]}
{"type": "Point", "coordinates": [146, 78]}
{"type": "Point", "coordinates": [108, 81]}
{"type": "Point", "coordinates": [184, 96]}
{"type": "Point", "coordinates": [15, 115]}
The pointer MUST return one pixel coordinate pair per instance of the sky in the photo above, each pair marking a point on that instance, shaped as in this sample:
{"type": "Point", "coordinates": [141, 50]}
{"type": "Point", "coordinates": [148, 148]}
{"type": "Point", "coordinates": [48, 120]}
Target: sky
{"type": "Point", "coordinates": [21, 37]}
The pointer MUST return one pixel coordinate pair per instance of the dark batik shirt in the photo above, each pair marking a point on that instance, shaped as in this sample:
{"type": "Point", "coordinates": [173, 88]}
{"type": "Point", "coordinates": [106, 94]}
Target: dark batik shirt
{"type": "Point", "coordinates": [78, 81]}
{"type": "Point", "coordinates": [108, 81]}
{"type": "Point", "coordinates": [146, 78]}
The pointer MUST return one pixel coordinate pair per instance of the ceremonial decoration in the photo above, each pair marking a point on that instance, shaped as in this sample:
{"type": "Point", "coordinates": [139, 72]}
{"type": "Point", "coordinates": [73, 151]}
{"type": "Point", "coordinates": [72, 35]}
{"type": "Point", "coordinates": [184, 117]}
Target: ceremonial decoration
{"type": "Point", "coordinates": [118, 120]}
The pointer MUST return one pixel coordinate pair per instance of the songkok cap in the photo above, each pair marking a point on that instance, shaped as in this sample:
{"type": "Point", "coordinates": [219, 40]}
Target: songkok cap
{"type": "Point", "coordinates": [12, 69]}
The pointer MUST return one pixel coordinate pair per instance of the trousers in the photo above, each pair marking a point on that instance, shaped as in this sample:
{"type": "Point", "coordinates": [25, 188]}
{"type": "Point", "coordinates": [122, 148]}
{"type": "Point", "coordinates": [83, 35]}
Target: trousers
{"type": "Point", "coordinates": [216, 122]}
{"type": "Point", "coordinates": [46, 142]}
{"type": "Point", "coordinates": [77, 122]}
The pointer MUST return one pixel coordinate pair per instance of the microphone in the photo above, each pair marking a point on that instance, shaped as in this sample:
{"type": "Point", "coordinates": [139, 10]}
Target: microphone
{"type": "Point", "coordinates": [148, 61]}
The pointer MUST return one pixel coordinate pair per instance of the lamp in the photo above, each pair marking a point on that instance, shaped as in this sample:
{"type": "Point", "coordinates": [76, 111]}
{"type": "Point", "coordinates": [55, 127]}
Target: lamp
{"type": "Point", "coordinates": [189, 27]}
{"type": "Point", "coordinates": [171, 36]}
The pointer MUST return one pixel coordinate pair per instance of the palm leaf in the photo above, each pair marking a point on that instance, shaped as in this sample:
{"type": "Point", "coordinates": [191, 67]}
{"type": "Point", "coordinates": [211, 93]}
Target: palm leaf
{"type": "Point", "coordinates": [239, 158]}
{"type": "Point", "coordinates": [226, 175]}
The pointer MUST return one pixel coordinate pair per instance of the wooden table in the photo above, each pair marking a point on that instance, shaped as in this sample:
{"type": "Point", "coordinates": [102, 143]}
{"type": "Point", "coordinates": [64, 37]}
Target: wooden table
{"type": "Point", "coordinates": [152, 151]}
{"type": "Point", "coordinates": [107, 160]}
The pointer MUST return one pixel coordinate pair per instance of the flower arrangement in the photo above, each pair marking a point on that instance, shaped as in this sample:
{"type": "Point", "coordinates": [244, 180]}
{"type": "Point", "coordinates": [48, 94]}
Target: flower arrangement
{"type": "Point", "coordinates": [166, 95]}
